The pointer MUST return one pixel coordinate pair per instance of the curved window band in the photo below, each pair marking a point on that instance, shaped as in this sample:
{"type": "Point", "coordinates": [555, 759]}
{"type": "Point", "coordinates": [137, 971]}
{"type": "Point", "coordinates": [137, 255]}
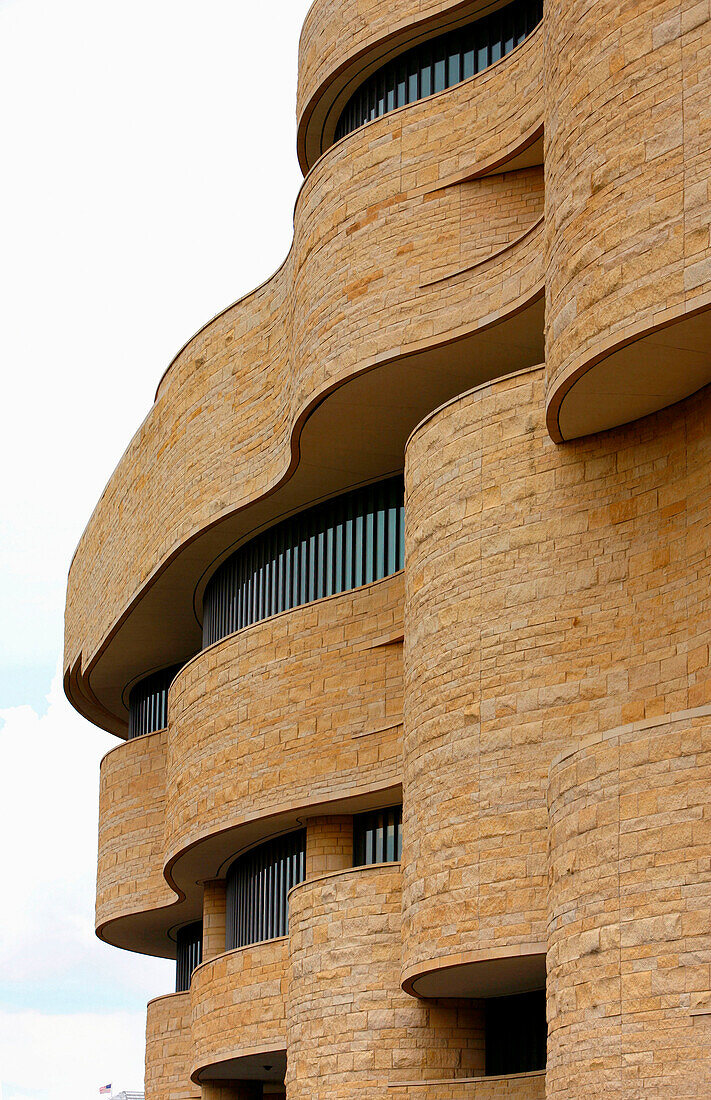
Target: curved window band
{"type": "Point", "coordinates": [377, 837]}
{"type": "Point", "coordinates": [440, 63]}
{"type": "Point", "coordinates": [348, 541]}
{"type": "Point", "coordinates": [188, 955]}
{"type": "Point", "coordinates": [257, 887]}
{"type": "Point", "coordinates": [148, 702]}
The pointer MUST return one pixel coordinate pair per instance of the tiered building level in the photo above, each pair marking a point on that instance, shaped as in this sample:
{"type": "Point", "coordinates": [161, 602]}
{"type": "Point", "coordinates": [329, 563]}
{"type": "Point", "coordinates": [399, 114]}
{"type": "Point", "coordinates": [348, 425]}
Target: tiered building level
{"type": "Point", "coordinates": [400, 597]}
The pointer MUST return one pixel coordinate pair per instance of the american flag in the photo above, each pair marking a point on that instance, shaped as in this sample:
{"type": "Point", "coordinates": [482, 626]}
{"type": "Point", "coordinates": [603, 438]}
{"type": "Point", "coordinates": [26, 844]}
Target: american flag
{"type": "Point", "coordinates": [105, 1088]}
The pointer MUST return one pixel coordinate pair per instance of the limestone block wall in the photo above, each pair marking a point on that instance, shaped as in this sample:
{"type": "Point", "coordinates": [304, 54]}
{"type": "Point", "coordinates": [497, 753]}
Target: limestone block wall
{"type": "Point", "coordinates": [516, 1086]}
{"type": "Point", "coordinates": [169, 1049]}
{"type": "Point", "coordinates": [131, 828]}
{"type": "Point", "coordinates": [551, 593]}
{"type": "Point", "coordinates": [350, 1028]}
{"type": "Point", "coordinates": [536, 682]}
{"type": "Point", "coordinates": [629, 963]}
{"type": "Point", "coordinates": [297, 710]}
{"type": "Point", "coordinates": [387, 211]}
{"type": "Point", "coordinates": [628, 203]}
{"type": "Point", "coordinates": [238, 1002]}
{"type": "Point", "coordinates": [214, 918]}
{"type": "Point", "coordinates": [329, 844]}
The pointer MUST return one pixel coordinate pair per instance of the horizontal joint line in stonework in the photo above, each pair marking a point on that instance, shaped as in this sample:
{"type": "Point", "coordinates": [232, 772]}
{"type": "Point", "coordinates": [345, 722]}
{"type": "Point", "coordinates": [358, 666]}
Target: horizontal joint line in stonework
{"type": "Point", "coordinates": [463, 1080]}
{"type": "Point", "coordinates": [380, 729]}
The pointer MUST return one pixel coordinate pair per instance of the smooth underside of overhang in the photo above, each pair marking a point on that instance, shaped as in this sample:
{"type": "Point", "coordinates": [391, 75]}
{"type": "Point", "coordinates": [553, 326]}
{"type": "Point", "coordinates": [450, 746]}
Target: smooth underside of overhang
{"type": "Point", "coordinates": [355, 435]}
{"type": "Point", "coordinates": [646, 374]}
{"type": "Point", "coordinates": [153, 932]}
{"type": "Point", "coordinates": [495, 977]}
{"type": "Point", "coordinates": [267, 1065]}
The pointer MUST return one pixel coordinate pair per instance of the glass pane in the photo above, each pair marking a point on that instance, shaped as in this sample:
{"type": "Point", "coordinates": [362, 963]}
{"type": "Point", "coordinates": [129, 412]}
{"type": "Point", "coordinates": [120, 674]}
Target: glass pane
{"type": "Point", "coordinates": [454, 74]}
{"type": "Point", "coordinates": [401, 86]}
{"type": "Point", "coordinates": [426, 78]}
{"type": "Point", "coordinates": [439, 74]}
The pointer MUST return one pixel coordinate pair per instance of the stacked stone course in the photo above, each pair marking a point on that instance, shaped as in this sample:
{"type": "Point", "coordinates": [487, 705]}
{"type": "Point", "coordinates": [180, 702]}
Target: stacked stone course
{"type": "Point", "coordinates": [479, 283]}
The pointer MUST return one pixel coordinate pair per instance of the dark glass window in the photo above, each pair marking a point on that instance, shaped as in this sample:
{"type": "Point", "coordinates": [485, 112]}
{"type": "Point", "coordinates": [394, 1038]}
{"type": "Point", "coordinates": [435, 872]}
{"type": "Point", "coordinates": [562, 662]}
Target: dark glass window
{"type": "Point", "coordinates": [440, 63]}
{"type": "Point", "coordinates": [189, 954]}
{"type": "Point", "coordinates": [377, 836]}
{"type": "Point", "coordinates": [148, 702]}
{"type": "Point", "coordinates": [257, 886]}
{"type": "Point", "coordinates": [516, 1033]}
{"type": "Point", "coordinates": [347, 541]}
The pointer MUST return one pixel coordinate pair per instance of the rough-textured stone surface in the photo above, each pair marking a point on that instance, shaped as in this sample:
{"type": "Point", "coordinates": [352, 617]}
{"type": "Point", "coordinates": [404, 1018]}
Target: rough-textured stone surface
{"type": "Point", "coordinates": [375, 222]}
{"type": "Point", "coordinates": [351, 1029]}
{"type": "Point", "coordinates": [337, 32]}
{"type": "Point", "coordinates": [629, 964]}
{"type": "Point", "coordinates": [628, 165]}
{"type": "Point", "coordinates": [517, 1086]}
{"type": "Point", "coordinates": [329, 844]}
{"type": "Point", "coordinates": [131, 830]}
{"type": "Point", "coordinates": [299, 709]}
{"type": "Point", "coordinates": [238, 1003]}
{"type": "Point", "coordinates": [556, 698]}
{"type": "Point", "coordinates": [169, 1049]}
{"type": "Point", "coordinates": [214, 915]}
{"type": "Point", "coordinates": [551, 593]}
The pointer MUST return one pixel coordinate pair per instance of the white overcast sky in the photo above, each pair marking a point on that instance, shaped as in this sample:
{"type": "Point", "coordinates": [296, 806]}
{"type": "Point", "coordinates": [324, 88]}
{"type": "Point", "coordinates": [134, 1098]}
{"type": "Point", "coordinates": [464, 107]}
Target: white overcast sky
{"type": "Point", "coordinates": [147, 179]}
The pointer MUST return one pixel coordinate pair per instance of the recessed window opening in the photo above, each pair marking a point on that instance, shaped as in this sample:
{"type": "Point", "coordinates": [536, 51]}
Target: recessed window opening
{"type": "Point", "coordinates": [148, 702]}
{"type": "Point", "coordinates": [516, 1033]}
{"type": "Point", "coordinates": [350, 540]}
{"type": "Point", "coordinates": [440, 63]}
{"type": "Point", "coordinates": [377, 837]}
{"type": "Point", "coordinates": [257, 887]}
{"type": "Point", "coordinates": [189, 954]}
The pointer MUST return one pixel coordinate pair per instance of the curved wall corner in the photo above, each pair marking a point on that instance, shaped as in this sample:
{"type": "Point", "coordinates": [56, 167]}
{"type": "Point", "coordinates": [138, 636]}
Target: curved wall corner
{"type": "Point", "coordinates": [628, 207]}
{"type": "Point", "coordinates": [350, 1026]}
{"type": "Point", "coordinates": [629, 987]}
{"type": "Point", "coordinates": [169, 1049]}
{"type": "Point", "coordinates": [388, 304]}
{"type": "Point", "coordinates": [130, 885]}
{"type": "Point", "coordinates": [298, 710]}
{"type": "Point", "coordinates": [238, 1003]}
{"type": "Point", "coordinates": [552, 592]}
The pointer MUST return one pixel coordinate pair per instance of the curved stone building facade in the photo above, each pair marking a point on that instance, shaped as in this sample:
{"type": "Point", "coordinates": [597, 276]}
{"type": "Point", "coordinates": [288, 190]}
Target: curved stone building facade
{"type": "Point", "coordinates": [399, 598]}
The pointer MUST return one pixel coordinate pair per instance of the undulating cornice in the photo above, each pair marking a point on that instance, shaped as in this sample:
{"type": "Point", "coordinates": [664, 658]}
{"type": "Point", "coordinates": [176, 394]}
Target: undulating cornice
{"type": "Point", "coordinates": [388, 304]}
{"type": "Point", "coordinates": [304, 711]}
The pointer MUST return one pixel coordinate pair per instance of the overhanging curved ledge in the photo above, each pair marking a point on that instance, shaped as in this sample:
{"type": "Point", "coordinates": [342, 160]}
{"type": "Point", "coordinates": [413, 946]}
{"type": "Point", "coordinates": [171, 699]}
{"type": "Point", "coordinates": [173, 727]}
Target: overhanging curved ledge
{"type": "Point", "coordinates": [160, 839]}
{"type": "Point", "coordinates": [341, 45]}
{"type": "Point", "coordinates": [643, 372]}
{"type": "Point", "coordinates": [268, 409]}
{"type": "Point", "coordinates": [518, 969]}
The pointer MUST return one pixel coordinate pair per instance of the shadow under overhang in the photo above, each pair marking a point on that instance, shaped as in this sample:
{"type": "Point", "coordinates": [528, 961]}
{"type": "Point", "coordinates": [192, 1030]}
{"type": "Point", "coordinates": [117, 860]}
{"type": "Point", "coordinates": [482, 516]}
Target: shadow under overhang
{"type": "Point", "coordinates": [353, 435]}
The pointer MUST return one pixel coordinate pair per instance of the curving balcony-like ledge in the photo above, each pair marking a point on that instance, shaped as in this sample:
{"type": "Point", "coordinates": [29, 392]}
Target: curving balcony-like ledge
{"type": "Point", "coordinates": [344, 995]}
{"type": "Point", "coordinates": [238, 1007]}
{"type": "Point", "coordinates": [311, 384]}
{"type": "Point", "coordinates": [131, 891]}
{"type": "Point", "coordinates": [519, 641]}
{"type": "Point", "coordinates": [298, 711]}
{"type": "Point", "coordinates": [512, 1086]}
{"type": "Point", "coordinates": [343, 42]}
{"type": "Point", "coordinates": [169, 1049]}
{"type": "Point", "coordinates": [628, 207]}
